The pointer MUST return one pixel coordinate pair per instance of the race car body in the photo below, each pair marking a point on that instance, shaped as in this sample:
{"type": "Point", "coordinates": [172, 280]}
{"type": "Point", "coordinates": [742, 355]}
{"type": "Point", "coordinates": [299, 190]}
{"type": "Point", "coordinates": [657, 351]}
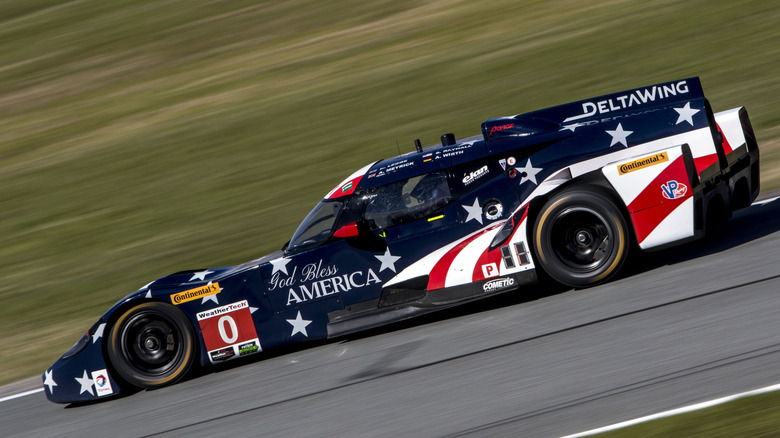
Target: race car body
{"type": "Point", "coordinates": [562, 192]}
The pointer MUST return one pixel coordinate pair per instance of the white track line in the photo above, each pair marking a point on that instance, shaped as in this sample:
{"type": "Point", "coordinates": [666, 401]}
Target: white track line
{"type": "Point", "coordinates": [682, 410]}
{"type": "Point", "coordinates": [21, 394]}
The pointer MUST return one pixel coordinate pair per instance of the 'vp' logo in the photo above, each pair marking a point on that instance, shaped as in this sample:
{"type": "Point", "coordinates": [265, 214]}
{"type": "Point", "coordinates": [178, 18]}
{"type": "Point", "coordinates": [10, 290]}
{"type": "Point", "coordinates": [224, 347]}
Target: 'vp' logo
{"type": "Point", "coordinates": [674, 190]}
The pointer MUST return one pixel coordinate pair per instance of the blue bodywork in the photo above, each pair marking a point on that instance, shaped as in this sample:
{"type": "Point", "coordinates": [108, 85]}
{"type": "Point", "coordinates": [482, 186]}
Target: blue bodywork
{"type": "Point", "coordinates": [323, 285]}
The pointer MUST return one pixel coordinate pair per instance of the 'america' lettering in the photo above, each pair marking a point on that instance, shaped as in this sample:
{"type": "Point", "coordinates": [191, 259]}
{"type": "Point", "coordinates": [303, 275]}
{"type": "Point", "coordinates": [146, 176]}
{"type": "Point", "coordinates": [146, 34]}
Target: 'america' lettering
{"type": "Point", "coordinates": [332, 285]}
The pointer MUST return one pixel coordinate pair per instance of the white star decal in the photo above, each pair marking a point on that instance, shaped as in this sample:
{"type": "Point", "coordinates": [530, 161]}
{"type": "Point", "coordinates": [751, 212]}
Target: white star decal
{"type": "Point", "coordinates": [212, 297]}
{"type": "Point", "coordinates": [299, 325]}
{"type": "Point", "coordinates": [86, 384]}
{"type": "Point", "coordinates": [572, 126]}
{"type": "Point", "coordinates": [148, 294]}
{"type": "Point", "coordinates": [49, 381]}
{"type": "Point", "coordinates": [528, 172]}
{"type": "Point", "coordinates": [98, 333]}
{"type": "Point", "coordinates": [474, 210]}
{"type": "Point", "coordinates": [201, 275]}
{"type": "Point", "coordinates": [252, 309]}
{"type": "Point", "coordinates": [280, 265]}
{"type": "Point", "coordinates": [388, 260]}
{"type": "Point", "coordinates": [619, 136]}
{"type": "Point", "coordinates": [685, 114]}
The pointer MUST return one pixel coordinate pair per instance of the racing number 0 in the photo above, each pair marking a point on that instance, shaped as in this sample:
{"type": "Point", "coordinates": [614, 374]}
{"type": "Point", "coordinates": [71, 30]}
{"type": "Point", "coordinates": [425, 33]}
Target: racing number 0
{"type": "Point", "coordinates": [227, 325]}
{"type": "Point", "coordinates": [227, 319]}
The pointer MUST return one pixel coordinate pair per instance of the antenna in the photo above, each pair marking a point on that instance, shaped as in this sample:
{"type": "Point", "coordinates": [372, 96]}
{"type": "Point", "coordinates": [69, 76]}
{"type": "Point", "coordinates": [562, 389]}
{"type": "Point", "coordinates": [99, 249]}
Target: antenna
{"type": "Point", "coordinates": [417, 145]}
{"type": "Point", "coordinates": [399, 147]}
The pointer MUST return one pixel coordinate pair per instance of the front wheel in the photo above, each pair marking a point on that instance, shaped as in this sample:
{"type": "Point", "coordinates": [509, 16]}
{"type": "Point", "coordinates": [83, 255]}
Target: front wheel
{"type": "Point", "coordinates": [580, 238]}
{"type": "Point", "coordinates": [152, 345]}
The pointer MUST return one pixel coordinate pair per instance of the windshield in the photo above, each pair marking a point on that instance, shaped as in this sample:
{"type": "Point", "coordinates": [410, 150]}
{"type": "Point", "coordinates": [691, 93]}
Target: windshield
{"type": "Point", "coordinates": [317, 226]}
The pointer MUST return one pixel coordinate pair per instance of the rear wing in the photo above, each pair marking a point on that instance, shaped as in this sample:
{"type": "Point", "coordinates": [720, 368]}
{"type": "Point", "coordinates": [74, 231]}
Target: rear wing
{"type": "Point", "coordinates": [558, 121]}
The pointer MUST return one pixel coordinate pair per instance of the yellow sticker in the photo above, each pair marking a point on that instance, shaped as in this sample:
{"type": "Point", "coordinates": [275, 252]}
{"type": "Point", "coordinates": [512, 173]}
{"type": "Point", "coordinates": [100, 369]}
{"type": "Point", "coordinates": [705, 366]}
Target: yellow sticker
{"type": "Point", "coordinates": [435, 218]}
{"type": "Point", "coordinates": [194, 294]}
{"type": "Point", "coordinates": [642, 163]}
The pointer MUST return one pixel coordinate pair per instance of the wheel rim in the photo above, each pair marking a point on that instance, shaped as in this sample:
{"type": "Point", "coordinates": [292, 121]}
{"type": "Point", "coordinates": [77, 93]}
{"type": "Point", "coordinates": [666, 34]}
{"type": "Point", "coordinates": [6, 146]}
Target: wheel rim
{"type": "Point", "coordinates": [151, 343]}
{"type": "Point", "coordinates": [581, 238]}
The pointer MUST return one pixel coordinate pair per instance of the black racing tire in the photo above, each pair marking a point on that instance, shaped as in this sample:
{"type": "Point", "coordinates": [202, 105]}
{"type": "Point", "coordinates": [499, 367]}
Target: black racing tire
{"type": "Point", "coordinates": [151, 345]}
{"type": "Point", "coordinates": [580, 238]}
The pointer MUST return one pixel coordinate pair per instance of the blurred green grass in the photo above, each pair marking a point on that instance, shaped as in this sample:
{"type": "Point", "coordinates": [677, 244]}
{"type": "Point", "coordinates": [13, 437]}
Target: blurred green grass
{"type": "Point", "coordinates": [138, 138]}
{"type": "Point", "coordinates": [756, 416]}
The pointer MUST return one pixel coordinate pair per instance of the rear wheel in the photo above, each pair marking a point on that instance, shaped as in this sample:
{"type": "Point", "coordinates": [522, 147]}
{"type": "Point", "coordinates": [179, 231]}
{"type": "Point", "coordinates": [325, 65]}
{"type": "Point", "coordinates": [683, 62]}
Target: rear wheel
{"type": "Point", "coordinates": [580, 238]}
{"type": "Point", "coordinates": [152, 345]}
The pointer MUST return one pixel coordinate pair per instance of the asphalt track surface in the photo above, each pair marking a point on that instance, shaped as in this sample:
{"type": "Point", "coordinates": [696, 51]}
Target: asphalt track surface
{"type": "Point", "coordinates": [679, 327]}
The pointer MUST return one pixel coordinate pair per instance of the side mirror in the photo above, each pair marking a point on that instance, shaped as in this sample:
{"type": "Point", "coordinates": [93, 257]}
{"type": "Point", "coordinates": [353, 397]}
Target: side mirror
{"type": "Point", "coordinates": [349, 230]}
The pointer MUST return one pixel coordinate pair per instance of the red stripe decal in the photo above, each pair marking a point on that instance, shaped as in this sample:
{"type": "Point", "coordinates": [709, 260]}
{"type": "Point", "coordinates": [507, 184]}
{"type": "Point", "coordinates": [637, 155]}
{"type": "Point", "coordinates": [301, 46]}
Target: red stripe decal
{"type": "Point", "coordinates": [490, 260]}
{"type": "Point", "coordinates": [438, 274]}
{"type": "Point", "coordinates": [659, 199]}
{"type": "Point", "coordinates": [705, 162]}
{"type": "Point", "coordinates": [726, 146]}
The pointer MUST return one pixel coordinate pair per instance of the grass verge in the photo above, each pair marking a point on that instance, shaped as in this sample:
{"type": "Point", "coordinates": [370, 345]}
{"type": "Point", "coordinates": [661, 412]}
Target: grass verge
{"type": "Point", "coordinates": [756, 416]}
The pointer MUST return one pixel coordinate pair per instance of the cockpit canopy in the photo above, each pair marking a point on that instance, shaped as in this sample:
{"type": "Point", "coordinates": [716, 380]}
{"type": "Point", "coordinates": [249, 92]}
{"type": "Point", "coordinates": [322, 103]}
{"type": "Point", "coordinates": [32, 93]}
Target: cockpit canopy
{"type": "Point", "coordinates": [380, 207]}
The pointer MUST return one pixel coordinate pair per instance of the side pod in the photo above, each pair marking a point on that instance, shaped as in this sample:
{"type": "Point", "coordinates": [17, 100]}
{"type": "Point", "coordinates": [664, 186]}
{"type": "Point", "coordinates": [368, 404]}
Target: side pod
{"type": "Point", "coordinates": [662, 193]}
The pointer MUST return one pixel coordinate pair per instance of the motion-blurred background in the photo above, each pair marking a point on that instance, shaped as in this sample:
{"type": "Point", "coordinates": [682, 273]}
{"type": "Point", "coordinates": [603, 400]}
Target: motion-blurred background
{"type": "Point", "coordinates": [143, 137]}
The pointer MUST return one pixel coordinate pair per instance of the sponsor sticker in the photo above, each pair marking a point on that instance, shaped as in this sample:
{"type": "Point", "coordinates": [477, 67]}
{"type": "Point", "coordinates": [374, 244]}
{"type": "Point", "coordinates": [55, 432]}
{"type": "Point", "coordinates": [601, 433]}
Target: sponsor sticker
{"type": "Point", "coordinates": [227, 330]}
{"type": "Point", "coordinates": [194, 294]}
{"type": "Point", "coordinates": [228, 308]}
{"type": "Point", "coordinates": [499, 128]}
{"type": "Point", "coordinates": [475, 175]}
{"type": "Point", "coordinates": [511, 161]}
{"type": "Point", "coordinates": [248, 348]}
{"type": "Point", "coordinates": [636, 97]}
{"type": "Point", "coordinates": [222, 354]}
{"type": "Point", "coordinates": [674, 190]}
{"type": "Point", "coordinates": [346, 187]}
{"type": "Point", "coordinates": [102, 384]}
{"type": "Point", "coordinates": [490, 270]}
{"type": "Point", "coordinates": [498, 284]}
{"type": "Point", "coordinates": [642, 163]}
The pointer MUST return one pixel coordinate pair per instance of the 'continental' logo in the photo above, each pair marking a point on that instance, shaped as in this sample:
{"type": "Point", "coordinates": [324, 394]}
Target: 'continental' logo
{"type": "Point", "coordinates": [194, 294]}
{"type": "Point", "coordinates": [642, 163]}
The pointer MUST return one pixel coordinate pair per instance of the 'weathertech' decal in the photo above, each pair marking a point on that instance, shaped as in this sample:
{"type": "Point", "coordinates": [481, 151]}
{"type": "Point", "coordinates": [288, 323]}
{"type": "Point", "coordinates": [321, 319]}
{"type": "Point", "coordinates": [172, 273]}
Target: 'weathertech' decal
{"type": "Point", "coordinates": [194, 294]}
{"type": "Point", "coordinates": [642, 163]}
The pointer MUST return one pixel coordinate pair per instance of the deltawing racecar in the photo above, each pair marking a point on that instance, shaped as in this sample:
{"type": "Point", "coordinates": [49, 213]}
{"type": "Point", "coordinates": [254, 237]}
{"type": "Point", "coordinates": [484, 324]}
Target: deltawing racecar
{"type": "Point", "coordinates": [563, 192]}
